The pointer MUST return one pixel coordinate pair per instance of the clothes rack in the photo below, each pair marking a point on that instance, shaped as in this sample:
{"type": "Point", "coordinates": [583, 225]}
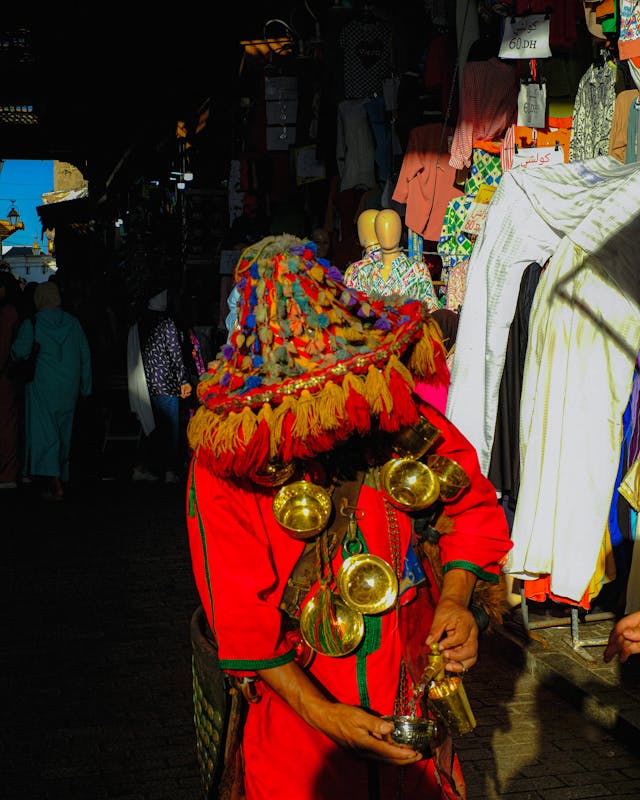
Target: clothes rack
{"type": "Point", "coordinates": [577, 642]}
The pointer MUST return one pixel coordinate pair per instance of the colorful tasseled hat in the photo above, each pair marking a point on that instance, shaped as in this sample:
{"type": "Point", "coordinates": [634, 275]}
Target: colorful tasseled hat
{"type": "Point", "coordinates": [309, 363]}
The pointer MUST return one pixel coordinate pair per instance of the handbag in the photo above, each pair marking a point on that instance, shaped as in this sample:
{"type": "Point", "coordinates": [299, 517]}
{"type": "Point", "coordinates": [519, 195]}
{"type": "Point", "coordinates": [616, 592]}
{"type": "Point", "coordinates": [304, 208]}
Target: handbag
{"type": "Point", "coordinates": [22, 370]}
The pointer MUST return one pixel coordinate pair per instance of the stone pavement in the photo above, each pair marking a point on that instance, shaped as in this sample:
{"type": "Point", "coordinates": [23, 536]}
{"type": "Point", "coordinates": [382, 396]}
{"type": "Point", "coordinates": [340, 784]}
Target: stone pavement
{"type": "Point", "coordinates": [97, 596]}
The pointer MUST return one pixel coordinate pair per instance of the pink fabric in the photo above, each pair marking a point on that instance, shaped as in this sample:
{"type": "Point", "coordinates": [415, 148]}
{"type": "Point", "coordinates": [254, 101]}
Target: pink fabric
{"type": "Point", "coordinates": [489, 105]}
{"type": "Point", "coordinates": [426, 182]}
{"type": "Point", "coordinates": [434, 395]}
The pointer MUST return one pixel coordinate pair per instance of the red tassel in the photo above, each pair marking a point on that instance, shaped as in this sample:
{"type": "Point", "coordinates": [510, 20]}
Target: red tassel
{"type": "Point", "coordinates": [247, 458]}
{"type": "Point", "coordinates": [404, 411]}
{"type": "Point", "coordinates": [357, 413]}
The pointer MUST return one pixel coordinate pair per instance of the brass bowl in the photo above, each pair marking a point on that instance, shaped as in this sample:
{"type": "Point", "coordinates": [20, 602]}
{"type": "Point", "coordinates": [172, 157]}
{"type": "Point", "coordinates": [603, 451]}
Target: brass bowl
{"type": "Point", "coordinates": [413, 441]}
{"type": "Point", "coordinates": [409, 484]}
{"type": "Point", "coordinates": [329, 626]}
{"type": "Point", "coordinates": [453, 479]}
{"type": "Point", "coordinates": [367, 583]}
{"type": "Point", "coordinates": [419, 733]}
{"type": "Point", "coordinates": [274, 473]}
{"type": "Point", "coordinates": [302, 508]}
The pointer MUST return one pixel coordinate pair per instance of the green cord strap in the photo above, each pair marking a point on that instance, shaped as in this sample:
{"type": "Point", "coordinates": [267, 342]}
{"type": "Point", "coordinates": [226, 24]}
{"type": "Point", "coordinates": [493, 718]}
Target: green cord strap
{"type": "Point", "coordinates": [193, 510]}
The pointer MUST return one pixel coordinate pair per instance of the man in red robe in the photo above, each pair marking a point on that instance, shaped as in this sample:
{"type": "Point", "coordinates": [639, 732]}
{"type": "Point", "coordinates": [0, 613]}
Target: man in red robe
{"type": "Point", "coordinates": [315, 385]}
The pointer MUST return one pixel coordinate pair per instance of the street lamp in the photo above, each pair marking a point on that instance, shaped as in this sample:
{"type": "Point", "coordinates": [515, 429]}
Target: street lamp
{"type": "Point", "coordinates": [13, 217]}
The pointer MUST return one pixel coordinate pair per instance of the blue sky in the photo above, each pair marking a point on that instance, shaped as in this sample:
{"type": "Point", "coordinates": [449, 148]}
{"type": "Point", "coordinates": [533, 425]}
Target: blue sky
{"type": "Point", "coordinates": [24, 182]}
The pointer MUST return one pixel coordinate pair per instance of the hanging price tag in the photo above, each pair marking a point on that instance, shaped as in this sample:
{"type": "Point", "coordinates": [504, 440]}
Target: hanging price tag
{"type": "Point", "coordinates": [532, 105]}
{"type": "Point", "coordinates": [525, 37]}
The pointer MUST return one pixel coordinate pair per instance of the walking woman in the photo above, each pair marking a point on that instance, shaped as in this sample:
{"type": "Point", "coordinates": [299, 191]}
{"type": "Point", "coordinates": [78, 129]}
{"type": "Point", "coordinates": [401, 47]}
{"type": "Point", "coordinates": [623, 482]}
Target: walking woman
{"type": "Point", "coordinates": [63, 373]}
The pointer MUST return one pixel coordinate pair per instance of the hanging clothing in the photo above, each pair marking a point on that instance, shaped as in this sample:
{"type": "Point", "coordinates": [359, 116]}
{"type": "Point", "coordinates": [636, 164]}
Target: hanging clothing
{"type": "Point", "coordinates": [528, 215]}
{"type": "Point", "coordinates": [426, 181]}
{"type": "Point", "coordinates": [489, 105]}
{"type": "Point", "coordinates": [593, 112]}
{"type": "Point", "coordinates": [583, 343]}
{"type": "Point", "coordinates": [620, 127]}
{"type": "Point", "coordinates": [504, 468]}
{"type": "Point", "coordinates": [139, 400]}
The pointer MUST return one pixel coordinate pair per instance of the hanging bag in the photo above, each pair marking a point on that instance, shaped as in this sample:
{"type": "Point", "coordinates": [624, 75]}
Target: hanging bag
{"type": "Point", "coordinates": [23, 370]}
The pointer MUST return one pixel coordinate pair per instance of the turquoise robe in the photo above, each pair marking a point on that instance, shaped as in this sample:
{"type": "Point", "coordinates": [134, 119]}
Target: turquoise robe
{"type": "Point", "coordinates": [63, 373]}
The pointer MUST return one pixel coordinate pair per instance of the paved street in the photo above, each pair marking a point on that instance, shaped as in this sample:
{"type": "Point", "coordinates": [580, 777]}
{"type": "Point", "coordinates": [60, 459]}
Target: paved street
{"type": "Point", "coordinates": [97, 597]}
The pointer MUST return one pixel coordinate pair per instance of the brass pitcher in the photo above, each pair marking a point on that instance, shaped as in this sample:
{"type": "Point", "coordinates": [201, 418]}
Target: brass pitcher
{"type": "Point", "coordinates": [446, 696]}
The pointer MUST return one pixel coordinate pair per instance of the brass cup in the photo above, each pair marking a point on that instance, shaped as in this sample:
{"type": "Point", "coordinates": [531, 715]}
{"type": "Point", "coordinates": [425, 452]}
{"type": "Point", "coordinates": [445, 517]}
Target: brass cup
{"type": "Point", "coordinates": [409, 484]}
{"type": "Point", "coordinates": [274, 473]}
{"type": "Point", "coordinates": [413, 441]}
{"type": "Point", "coordinates": [302, 508]}
{"type": "Point", "coordinates": [329, 626]}
{"type": "Point", "coordinates": [420, 733]}
{"type": "Point", "coordinates": [453, 479]}
{"type": "Point", "coordinates": [367, 583]}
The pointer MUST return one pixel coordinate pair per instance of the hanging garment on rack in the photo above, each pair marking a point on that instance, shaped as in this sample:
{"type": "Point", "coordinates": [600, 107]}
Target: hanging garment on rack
{"type": "Point", "coordinates": [489, 104]}
{"type": "Point", "coordinates": [426, 182]}
{"type": "Point", "coordinates": [355, 146]}
{"type": "Point", "coordinates": [583, 343]}
{"type": "Point", "coordinates": [620, 126]}
{"type": "Point", "coordinates": [593, 112]}
{"type": "Point", "coordinates": [529, 213]}
{"type": "Point", "coordinates": [504, 468]}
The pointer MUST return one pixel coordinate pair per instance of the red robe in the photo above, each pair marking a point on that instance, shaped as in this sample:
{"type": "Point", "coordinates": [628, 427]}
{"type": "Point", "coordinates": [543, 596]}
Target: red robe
{"type": "Point", "coordinates": [242, 559]}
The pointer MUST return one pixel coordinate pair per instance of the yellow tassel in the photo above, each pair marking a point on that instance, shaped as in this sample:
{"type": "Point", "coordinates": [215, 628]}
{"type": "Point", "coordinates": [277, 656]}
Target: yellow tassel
{"type": "Point", "coordinates": [227, 433]}
{"type": "Point", "coordinates": [199, 430]}
{"type": "Point", "coordinates": [377, 392]}
{"type": "Point", "coordinates": [353, 383]}
{"type": "Point", "coordinates": [330, 406]}
{"type": "Point", "coordinates": [422, 361]}
{"type": "Point", "coordinates": [249, 423]}
{"type": "Point", "coordinates": [306, 419]}
{"type": "Point", "coordinates": [395, 363]}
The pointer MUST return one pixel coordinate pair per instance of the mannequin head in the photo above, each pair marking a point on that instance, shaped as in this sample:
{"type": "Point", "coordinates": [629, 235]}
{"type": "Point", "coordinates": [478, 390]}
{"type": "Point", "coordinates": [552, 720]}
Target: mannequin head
{"type": "Point", "coordinates": [388, 227]}
{"type": "Point", "coordinates": [367, 231]}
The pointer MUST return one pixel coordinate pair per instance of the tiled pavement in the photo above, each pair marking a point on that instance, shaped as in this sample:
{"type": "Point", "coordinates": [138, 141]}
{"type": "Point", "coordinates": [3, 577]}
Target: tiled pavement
{"type": "Point", "coordinates": [97, 595]}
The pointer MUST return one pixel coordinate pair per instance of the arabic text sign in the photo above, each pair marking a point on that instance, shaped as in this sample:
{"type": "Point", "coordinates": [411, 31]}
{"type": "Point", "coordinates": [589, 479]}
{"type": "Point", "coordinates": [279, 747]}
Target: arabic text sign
{"type": "Point", "coordinates": [538, 156]}
{"type": "Point", "coordinates": [525, 37]}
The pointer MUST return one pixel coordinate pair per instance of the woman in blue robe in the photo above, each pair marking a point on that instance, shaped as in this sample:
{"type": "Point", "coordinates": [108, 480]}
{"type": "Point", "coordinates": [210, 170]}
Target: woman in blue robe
{"type": "Point", "coordinates": [63, 373]}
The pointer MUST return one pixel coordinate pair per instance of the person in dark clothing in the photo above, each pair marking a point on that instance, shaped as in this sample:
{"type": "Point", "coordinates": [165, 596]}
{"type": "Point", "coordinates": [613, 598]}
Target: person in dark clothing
{"type": "Point", "coordinates": [167, 379]}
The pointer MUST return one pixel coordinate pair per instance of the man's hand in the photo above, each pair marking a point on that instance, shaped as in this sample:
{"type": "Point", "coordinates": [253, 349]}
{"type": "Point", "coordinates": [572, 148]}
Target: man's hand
{"type": "Point", "coordinates": [349, 726]}
{"type": "Point", "coordinates": [454, 627]}
{"type": "Point", "coordinates": [185, 390]}
{"type": "Point", "coordinates": [624, 639]}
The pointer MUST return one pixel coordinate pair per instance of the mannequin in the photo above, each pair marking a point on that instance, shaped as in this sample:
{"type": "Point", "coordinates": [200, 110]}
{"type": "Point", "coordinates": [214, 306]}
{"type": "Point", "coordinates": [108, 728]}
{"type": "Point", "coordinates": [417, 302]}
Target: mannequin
{"type": "Point", "coordinates": [370, 248]}
{"type": "Point", "coordinates": [388, 230]}
{"type": "Point", "coordinates": [367, 231]}
{"type": "Point", "coordinates": [388, 271]}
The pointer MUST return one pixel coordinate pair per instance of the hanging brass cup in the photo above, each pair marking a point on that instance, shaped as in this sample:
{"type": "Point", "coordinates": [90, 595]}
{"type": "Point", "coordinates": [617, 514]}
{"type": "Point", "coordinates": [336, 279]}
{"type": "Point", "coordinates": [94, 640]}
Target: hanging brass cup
{"type": "Point", "coordinates": [329, 626]}
{"type": "Point", "coordinates": [302, 508]}
{"type": "Point", "coordinates": [409, 484]}
{"type": "Point", "coordinates": [367, 583]}
{"type": "Point", "coordinates": [453, 479]}
{"type": "Point", "coordinates": [274, 473]}
{"type": "Point", "coordinates": [413, 441]}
